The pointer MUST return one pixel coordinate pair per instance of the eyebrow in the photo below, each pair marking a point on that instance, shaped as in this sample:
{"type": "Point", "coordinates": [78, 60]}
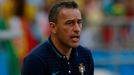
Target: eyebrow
{"type": "Point", "coordinates": [73, 20]}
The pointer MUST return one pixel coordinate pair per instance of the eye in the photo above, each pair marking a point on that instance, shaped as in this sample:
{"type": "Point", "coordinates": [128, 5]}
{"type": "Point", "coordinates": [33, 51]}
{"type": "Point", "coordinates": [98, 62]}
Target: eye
{"type": "Point", "coordinates": [70, 22]}
{"type": "Point", "coordinates": [80, 22]}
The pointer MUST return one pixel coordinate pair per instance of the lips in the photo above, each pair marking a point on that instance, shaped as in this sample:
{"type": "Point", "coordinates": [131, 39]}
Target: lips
{"type": "Point", "coordinates": [75, 38]}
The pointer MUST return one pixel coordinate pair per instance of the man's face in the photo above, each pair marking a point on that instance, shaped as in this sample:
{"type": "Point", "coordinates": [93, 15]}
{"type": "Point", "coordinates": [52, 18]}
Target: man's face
{"type": "Point", "coordinates": [68, 27]}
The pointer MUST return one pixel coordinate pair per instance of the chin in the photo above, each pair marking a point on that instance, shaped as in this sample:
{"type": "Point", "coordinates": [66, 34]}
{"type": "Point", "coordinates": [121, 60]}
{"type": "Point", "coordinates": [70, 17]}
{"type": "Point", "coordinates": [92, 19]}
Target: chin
{"type": "Point", "coordinates": [75, 45]}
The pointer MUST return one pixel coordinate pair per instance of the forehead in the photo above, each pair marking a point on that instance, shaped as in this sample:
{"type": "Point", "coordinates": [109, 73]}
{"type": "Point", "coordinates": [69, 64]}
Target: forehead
{"type": "Point", "coordinates": [69, 13]}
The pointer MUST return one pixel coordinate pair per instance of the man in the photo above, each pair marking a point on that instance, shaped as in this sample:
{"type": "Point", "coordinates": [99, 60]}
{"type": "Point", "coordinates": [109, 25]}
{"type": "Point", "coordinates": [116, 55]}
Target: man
{"type": "Point", "coordinates": [61, 53]}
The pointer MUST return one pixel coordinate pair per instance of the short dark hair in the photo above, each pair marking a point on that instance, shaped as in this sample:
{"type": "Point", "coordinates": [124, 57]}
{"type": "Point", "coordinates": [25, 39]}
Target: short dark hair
{"type": "Point", "coordinates": [54, 11]}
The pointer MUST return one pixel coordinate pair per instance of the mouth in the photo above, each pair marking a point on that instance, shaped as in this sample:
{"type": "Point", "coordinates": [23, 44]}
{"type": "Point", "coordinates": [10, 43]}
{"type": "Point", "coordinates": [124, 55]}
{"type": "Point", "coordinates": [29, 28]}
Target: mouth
{"type": "Point", "coordinates": [75, 38]}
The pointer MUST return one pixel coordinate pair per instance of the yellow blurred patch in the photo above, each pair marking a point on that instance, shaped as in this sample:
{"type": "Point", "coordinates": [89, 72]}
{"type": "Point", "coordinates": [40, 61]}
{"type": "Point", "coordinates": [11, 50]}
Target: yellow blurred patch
{"type": "Point", "coordinates": [8, 8]}
{"type": "Point", "coordinates": [30, 11]}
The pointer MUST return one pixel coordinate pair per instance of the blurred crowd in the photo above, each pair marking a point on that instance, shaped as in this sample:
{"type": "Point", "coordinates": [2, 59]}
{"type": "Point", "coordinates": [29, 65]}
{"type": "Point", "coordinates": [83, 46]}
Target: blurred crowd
{"type": "Point", "coordinates": [107, 24]}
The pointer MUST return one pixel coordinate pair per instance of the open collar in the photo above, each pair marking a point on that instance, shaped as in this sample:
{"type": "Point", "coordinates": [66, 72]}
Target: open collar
{"type": "Point", "coordinates": [74, 51]}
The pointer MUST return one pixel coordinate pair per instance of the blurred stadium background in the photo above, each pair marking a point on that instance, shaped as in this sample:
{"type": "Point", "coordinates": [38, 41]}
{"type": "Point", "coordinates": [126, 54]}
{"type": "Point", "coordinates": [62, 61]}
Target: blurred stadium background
{"type": "Point", "coordinates": [108, 30]}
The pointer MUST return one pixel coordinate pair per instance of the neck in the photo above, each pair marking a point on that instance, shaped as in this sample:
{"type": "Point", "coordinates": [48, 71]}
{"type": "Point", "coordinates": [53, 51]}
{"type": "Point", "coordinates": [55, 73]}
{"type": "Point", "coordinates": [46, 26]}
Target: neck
{"type": "Point", "coordinates": [61, 47]}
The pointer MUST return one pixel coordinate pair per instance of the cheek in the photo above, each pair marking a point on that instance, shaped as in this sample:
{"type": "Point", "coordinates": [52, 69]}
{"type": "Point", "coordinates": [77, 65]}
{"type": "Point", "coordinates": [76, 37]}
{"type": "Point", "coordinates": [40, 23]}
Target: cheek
{"type": "Point", "coordinates": [64, 31]}
{"type": "Point", "coordinates": [64, 34]}
{"type": "Point", "coordinates": [67, 32]}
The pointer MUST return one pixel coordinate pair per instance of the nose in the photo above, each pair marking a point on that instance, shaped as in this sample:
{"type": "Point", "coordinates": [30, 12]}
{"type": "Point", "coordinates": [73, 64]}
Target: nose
{"type": "Point", "coordinates": [77, 28]}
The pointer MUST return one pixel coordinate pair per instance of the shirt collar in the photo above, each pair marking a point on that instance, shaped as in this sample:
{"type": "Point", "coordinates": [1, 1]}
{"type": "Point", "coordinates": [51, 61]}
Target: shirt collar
{"type": "Point", "coordinates": [73, 53]}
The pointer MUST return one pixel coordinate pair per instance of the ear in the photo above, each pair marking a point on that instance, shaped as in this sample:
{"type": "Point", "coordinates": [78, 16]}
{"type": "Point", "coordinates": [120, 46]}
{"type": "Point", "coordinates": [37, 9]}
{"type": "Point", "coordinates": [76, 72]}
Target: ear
{"type": "Point", "coordinates": [53, 27]}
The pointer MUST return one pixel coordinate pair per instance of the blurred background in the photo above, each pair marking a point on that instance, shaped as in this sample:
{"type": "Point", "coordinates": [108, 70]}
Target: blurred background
{"type": "Point", "coordinates": [108, 30]}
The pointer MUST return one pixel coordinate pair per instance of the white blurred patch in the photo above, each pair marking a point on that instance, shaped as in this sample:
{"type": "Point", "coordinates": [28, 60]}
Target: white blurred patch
{"type": "Point", "coordinates": [101, 71]}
